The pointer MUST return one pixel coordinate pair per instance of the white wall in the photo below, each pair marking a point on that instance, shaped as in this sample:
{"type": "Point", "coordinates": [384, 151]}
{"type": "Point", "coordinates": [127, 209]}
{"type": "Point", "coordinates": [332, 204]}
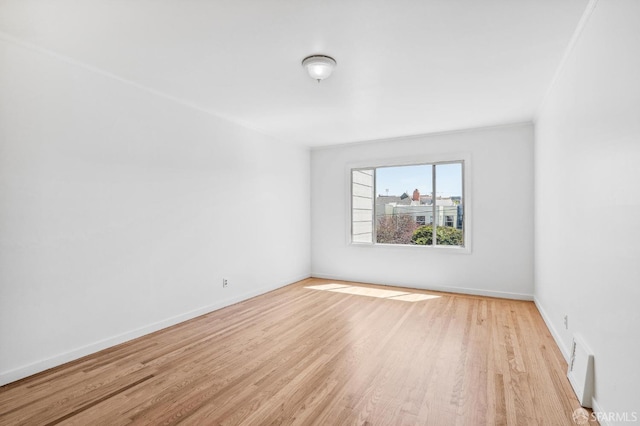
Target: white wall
{"type": "Point", "coordinates": [121, 211]}
{"type": "Point", "coordinates": [501, 177]}
{"type": "Point", "coordinates": [587, 157]}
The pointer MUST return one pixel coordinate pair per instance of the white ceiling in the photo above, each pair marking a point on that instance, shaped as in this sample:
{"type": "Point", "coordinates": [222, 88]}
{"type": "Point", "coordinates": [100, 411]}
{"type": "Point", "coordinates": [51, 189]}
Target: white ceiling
{"type": "Point", "coordinates": [405, 67]}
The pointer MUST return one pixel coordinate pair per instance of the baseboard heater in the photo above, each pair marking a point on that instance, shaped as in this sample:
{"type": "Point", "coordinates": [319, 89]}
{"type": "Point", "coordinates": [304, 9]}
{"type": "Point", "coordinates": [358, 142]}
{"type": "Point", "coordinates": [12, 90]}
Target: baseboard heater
{"type": "Point", "coordinates": [580, 372]}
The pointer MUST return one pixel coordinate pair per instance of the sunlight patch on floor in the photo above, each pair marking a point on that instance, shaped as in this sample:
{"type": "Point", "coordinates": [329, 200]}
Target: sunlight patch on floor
{"type": "Point", "coordinates": [326, 286]}
{"type": "Point", "coordinates": [373, 292]}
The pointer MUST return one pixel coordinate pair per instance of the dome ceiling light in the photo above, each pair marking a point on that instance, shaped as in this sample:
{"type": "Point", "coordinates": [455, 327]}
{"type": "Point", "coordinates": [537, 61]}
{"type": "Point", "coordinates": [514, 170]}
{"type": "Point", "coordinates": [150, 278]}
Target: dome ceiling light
{"type": "Point", "coordinates": [319, 67]}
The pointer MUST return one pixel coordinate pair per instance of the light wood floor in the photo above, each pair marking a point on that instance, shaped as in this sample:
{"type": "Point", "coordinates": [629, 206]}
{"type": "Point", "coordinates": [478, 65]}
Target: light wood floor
{"type": "Point", "coordinates": [313, 356]}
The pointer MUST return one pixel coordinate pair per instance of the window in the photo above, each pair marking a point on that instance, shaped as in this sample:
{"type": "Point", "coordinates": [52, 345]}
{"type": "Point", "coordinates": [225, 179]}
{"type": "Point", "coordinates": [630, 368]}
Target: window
{"type": "Point", "coordinates": [448, 221]}
{"type": "Point", "coordinates": [416, 204]}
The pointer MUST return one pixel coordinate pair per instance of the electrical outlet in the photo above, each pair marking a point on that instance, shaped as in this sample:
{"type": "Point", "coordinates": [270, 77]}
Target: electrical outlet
{"type": "Point", "coordinates": [566, 322]}
{"type": "Point", "coordinates": [225, 283]}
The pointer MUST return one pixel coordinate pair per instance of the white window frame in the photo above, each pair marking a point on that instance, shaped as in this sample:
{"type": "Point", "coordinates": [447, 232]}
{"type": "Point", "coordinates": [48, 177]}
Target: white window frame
{"type": "Point", "coordinates": [459, 157]}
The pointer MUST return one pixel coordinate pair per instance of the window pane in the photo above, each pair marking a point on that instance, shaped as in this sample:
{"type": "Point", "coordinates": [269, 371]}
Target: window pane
{"type": "Point", "coordinates": [403, 203]}
{"type": "Point", "coordinates": [362, 206]}
{"type": "Point", "coordinates": [449, 205]}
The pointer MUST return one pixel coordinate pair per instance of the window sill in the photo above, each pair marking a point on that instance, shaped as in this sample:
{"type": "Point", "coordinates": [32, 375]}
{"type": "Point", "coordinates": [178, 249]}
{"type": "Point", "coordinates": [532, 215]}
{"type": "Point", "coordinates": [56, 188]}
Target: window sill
{"type": "Point", "coordinates": [443, 249]}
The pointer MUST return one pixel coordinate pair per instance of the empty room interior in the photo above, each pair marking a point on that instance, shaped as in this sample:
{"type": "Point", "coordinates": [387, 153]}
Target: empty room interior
{"type": "Point", "coordinates": [341, 212]}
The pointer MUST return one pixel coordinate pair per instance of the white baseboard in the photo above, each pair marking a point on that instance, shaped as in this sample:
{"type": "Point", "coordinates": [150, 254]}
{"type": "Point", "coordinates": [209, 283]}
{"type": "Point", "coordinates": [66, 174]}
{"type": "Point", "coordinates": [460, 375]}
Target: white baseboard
{"type": "Point", "coordinates": [597, 409]}
{"type": "Point", "coordinates": [554, 332]}
{"type": "Point", "coordinates": [54, 361]}
{"type": "Point", "coordinates": [461, 290]}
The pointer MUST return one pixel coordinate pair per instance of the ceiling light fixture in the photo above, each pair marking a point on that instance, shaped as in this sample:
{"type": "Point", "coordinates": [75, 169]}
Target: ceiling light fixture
{"type": "Point", "coordinates": [319, 67]}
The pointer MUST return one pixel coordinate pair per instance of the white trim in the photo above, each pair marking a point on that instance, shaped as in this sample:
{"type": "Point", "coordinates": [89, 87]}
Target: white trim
{"type": "Point", "coordinates": [597, 409]}
{"type": "Point", "coordinates": [54, 361]}
{"type": "Point", "coordinates": [554, 332]}
{"type": "Point", "coordinates": [445, 289]}
{"type": "Point", "coordinates": [412, 160]}
{"type": "Point", "coordinates": [439, 248]}
{"type": "Point", "coordinates": [434, 158]}
{"type": "Point", "coordinates": [420, 135]}
{"type": "Point", "coordinates": [184, 102]}
{"type": "Point", "coordinates": [567, 52]}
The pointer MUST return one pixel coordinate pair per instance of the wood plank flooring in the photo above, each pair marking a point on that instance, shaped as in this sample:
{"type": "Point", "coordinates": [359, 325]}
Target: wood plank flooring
{"type": "Point", "coordinates": [314, 353]}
